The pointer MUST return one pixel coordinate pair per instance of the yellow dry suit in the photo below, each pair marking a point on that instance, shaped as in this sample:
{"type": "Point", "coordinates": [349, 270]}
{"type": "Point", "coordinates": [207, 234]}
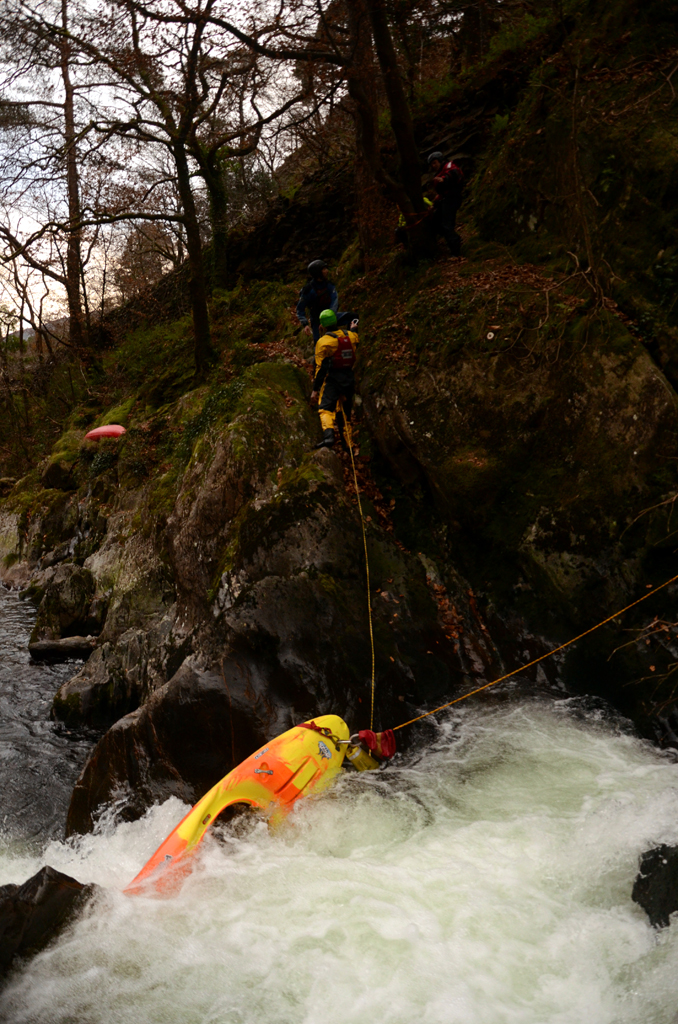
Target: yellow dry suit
{"type": "Point", "coordinates": [335, 354]}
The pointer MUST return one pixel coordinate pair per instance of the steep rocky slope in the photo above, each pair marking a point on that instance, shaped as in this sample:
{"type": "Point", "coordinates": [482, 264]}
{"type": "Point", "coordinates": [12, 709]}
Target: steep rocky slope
{"type": "Point", "coordinates": [516, 443]}
{"type": "Point", "coordinates": [238, 575]}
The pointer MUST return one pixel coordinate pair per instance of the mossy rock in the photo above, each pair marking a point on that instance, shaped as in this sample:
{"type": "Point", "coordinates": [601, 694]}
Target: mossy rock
{"type": "Point", "coordinates": [59, 475]}
{"type": "Point", "coordinates": [65, 607]}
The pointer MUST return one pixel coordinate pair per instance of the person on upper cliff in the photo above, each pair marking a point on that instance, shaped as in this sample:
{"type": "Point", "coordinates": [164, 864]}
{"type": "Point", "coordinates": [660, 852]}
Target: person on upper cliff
{"type": "Point", "coordinates": [317, 294]}
{"type": "Point", "coordinates": [448, 182]}
{"type": "Point", "coordinates": [335, 356]}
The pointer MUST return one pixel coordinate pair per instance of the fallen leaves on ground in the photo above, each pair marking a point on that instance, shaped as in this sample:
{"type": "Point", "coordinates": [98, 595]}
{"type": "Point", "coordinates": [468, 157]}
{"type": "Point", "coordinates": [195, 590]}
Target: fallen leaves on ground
{"type": "Point", "coordinates": [368, 488]}
{"type": "Point", "coordinates": [273, 350]}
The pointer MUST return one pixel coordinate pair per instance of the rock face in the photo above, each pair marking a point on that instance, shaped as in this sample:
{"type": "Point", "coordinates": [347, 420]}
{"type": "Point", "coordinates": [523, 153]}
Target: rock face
{"type": "Point", "coordinates": [539, 477]}
{"type": "Point", "coordinates": [67, 606]}
{"type": "Point", "coordinates": [250, 598]}
{"type": "Point", "coordinates": [186, 737]}
{"type": "Point", "coordinates": [33, 914]}
{"type": "Point", "coordinates": [550, 479]}
{"type": "Point", "coordinates": [656, 886]}
{"type": "Point", "coordinates": [121, 674]}
{"type": "Point", "coordinates": [238, 574]}
{"type": "Point", "coordinates": [62, 650]}
{"type": "Point", "coordinates": [285, 637]}
{"type": "Point", "coordinates": [59, 475]}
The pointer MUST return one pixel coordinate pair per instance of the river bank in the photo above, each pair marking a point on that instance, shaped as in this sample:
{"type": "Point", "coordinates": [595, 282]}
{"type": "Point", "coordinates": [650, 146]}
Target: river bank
{"type": "Point", "coordinates": [39, 761]}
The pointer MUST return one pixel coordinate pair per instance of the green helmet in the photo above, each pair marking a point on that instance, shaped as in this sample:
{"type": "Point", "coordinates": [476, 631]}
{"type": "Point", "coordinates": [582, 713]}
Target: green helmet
{"type": "Point", "coordinates": [328, 318]}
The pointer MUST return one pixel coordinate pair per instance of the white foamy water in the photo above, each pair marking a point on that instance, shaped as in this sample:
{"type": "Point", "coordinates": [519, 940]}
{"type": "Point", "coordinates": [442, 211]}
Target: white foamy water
{"type": "Point", "coordinates": [485, 880]}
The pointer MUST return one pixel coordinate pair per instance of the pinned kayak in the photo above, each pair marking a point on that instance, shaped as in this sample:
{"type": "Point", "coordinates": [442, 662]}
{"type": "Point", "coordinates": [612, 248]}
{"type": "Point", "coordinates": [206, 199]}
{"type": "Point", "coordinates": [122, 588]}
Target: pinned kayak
{"type": "Point", "coordinates": [301, 761]}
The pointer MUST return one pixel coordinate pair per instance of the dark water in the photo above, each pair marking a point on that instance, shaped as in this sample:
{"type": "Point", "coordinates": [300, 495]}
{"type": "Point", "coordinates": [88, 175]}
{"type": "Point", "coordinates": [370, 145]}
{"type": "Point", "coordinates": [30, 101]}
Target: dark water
{"type": "Point", "coordinates": [39, 761]}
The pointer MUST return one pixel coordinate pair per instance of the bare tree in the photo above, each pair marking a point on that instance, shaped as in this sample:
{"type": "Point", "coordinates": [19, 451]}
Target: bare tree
{"type": "Point", "coordinates": [73, 275]}
{"type": "Point", "coordinates": [178, 85]}
{"type": "Point", "coordinates": [341, 36]}
{"type": "Point", "coordinates": [38, 97]}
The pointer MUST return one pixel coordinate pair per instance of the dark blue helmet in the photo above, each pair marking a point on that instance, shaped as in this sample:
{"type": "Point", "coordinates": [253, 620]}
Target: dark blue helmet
{"type": "Point", "coordinates": [316, 268]}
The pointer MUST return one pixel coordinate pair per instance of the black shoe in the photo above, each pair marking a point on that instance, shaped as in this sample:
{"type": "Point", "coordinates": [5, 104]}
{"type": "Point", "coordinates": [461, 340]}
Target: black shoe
{"type": "Point", "coordinates": [328, 439]}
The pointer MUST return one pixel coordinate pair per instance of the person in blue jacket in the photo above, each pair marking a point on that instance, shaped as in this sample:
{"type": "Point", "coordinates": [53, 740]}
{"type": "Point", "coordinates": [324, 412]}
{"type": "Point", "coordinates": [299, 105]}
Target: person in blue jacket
{"type": "Point", "coordinates": [317, 294]}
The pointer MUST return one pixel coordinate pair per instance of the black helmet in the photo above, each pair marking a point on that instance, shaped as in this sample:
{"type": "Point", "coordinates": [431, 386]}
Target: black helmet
{"type": "Point", "coordinates": [435, 156]}
{"type": "Point", "coordinates": [316, 268]}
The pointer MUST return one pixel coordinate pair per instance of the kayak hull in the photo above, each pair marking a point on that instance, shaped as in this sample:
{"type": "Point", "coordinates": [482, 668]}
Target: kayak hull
{"type": "Point", "coordinates": [299, 762]}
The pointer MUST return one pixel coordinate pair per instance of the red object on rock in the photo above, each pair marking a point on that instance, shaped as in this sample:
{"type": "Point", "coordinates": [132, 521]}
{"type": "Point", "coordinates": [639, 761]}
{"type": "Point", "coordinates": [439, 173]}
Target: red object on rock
{"type": "Point", "coordinates": [111, 430]}
{"type": "Point", "coordinates": [381, 744]}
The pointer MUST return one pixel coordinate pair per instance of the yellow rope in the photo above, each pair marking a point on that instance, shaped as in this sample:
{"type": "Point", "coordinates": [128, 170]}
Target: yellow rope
{"type": "Point", "coordinates": [349, 441]}
{"type": "Point", "coordinates": [541, 657]}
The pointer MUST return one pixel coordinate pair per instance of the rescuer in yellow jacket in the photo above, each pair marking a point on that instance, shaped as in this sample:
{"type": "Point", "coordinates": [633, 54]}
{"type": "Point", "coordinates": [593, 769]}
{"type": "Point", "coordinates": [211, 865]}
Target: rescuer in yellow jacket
{"type": "Point", "coordinates": [335, 355]}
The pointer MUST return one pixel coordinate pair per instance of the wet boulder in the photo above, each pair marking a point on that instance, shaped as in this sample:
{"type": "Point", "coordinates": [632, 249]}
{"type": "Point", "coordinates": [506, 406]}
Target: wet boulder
{"type": "Point", "coordinates": [188, 735]}
{"type": "Point", "coordinates": [37, 585]}
{"type": "Point", "coordinates": [656, 886]}
{"type": "Point", "coordinates": [59, 475]}
{"type": "Point", "coordinates": [121, 675]}
{"type": "Point", "coordinates": [33, 914]}
{"type": "Point", "coordinates": [61, 650]}
{"type": "Point", "coordinates": [67, 607]}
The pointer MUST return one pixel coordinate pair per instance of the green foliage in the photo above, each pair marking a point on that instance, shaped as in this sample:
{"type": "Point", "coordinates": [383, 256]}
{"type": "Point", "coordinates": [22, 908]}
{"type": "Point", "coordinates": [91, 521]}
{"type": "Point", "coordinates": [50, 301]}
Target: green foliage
{"type": "Point", "coordinates": [67, 448]}
{"type": "Point", "coordinates": [158, 361]}
{"type": "Point", "coordinates": [290, 192]}
{"type": "Point", "coordinates": [248, 315]}
{"type": "Point", "coordinates": [431, 91]}
{"type": "Point", "coordinates": [218, 407]}
{"type": "Point", "coordinates": [119, 413]}
{"type": "Point", "coordinates": [104, 460]}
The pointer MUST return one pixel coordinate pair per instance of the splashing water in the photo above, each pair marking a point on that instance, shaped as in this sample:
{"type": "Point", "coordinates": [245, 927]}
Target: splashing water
{"type": "Point", "coordinates": [484, 880]}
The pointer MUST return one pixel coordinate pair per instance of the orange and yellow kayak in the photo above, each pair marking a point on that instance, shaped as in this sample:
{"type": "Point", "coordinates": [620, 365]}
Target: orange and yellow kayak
{"type": "Point", "coordinates": [302, 760]}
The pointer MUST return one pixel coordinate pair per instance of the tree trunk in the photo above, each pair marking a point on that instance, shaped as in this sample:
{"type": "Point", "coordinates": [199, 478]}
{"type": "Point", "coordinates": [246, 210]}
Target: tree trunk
{"type": "Point", "coordinates": [218, 197]}
{"type": "Point", "coordinates": [371, 184]}
{"type": "Point", "coordinates": [204, 353]}
{"type": "Point", "coordinates": [73, 243]}
{"type": "Point", "coordinates": [401, 119]}
{"type": "Point", "coordinates": [364, 107]}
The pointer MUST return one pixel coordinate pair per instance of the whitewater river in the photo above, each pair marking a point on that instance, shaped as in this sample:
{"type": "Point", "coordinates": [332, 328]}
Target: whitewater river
{"type": "Point", "coordinates": [483, 880]}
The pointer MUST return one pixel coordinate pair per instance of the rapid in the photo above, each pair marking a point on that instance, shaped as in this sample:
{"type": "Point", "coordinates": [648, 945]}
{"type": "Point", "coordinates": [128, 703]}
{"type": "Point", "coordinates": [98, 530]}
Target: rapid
{"type": "Point", "coordinates": [483, 878]}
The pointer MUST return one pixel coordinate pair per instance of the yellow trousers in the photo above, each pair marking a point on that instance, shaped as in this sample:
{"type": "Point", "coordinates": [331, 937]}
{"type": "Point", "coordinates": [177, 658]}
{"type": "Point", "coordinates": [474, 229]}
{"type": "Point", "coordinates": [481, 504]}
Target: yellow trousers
{"type": "Point", "coordinates": [328, 419]}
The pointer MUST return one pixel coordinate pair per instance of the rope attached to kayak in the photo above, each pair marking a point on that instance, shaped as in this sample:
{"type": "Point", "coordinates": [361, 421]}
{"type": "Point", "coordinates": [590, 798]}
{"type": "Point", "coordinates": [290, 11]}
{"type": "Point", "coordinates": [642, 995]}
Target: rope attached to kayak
{"type": "Point", "coordinates": [542, 657]}
{"type": "Point", "coordinates": [349, 440]}
{"type": "Point", "coordinates": [508, 675]}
